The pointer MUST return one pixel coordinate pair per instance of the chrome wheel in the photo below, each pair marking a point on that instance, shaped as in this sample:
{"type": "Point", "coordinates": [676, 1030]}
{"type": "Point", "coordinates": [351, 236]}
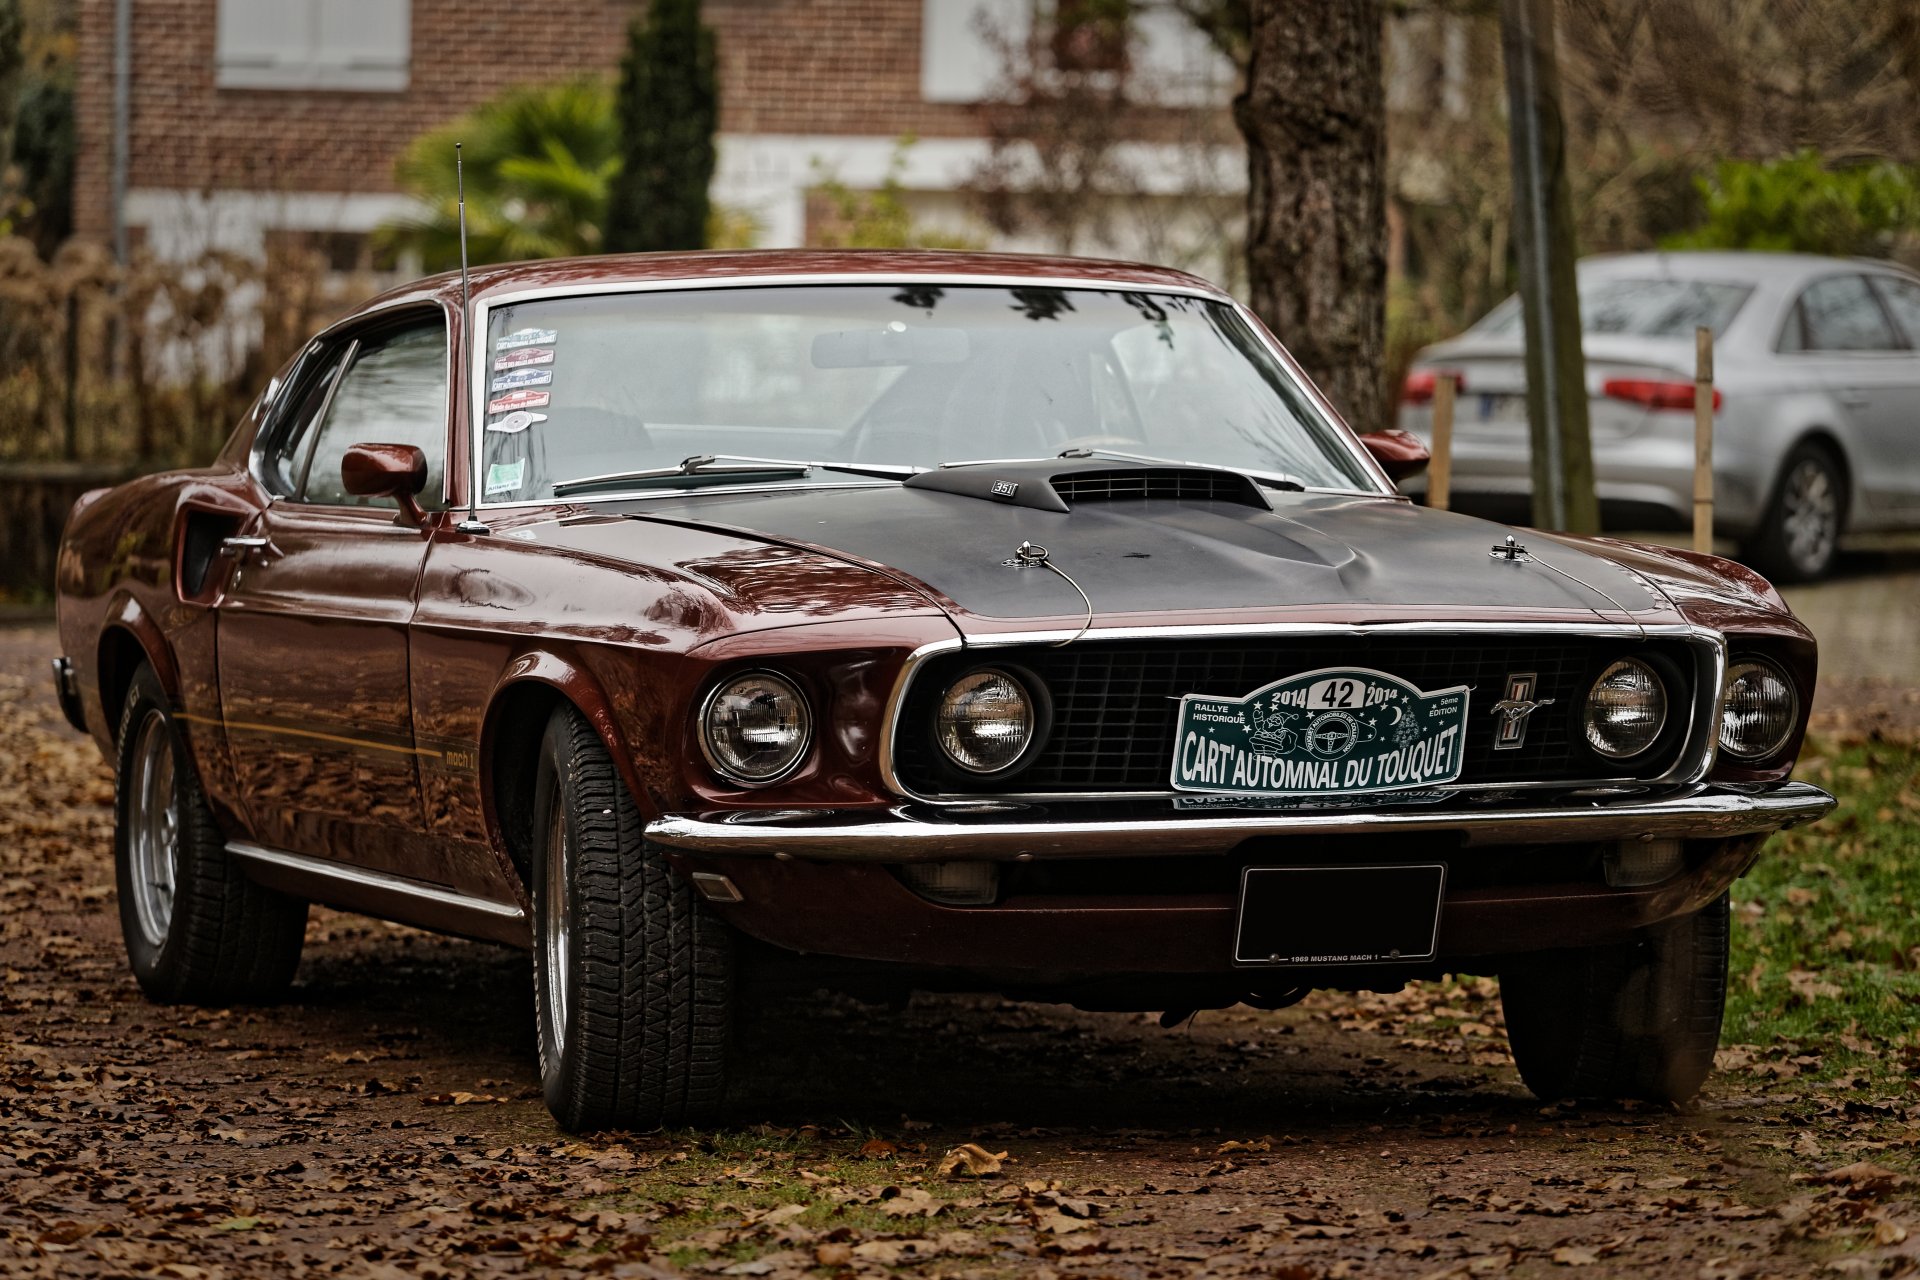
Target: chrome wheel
{"type": "Point", "coordinates": [154, 845]}
{"type": "Point", "coordinates": [554, 951]}
{"type": "Point", "coordinates": [1810, 514]}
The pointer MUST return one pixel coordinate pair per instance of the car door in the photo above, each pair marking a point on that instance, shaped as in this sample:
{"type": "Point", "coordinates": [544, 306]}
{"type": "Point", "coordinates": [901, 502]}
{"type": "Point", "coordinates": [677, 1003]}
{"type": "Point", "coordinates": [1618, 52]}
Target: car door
{"type": "Point", "coordinates": [1844, 333]}
{"type": "Point", "coordinates": [312, 632]}
{"type": "Point", "coordinates": [1900, 386]}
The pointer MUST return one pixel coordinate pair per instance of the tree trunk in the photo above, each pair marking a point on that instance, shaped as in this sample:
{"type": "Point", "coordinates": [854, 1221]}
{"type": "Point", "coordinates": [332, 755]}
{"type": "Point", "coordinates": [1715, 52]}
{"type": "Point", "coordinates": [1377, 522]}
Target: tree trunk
{"type": "Point", "coordinates": [1314, 116]}
{"type": "Point", "coordinates": [1543, 241]}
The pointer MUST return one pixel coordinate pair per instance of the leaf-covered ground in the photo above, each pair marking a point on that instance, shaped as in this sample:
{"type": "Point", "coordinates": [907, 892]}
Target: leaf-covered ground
{"type": "Point", "coordinates": [385, 1121]}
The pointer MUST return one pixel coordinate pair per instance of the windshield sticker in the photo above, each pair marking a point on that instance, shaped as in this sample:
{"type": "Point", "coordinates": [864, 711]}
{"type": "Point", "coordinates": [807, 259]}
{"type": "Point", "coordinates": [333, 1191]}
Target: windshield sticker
{"type": "Point", "coordinates": [522, 356]}
{"type": "Point", "coordinates": [526, 338]}
{"type": "Point", "coordinates": [522, 378]}
{"type": "Point", "coordinates": [517, 400]}
{"type": "Point", "coordinates": [505, 477]}
{"type": "Point", "coordinates": [1337, 731]}
{"type": "Point", "coordinates": [514, 423]}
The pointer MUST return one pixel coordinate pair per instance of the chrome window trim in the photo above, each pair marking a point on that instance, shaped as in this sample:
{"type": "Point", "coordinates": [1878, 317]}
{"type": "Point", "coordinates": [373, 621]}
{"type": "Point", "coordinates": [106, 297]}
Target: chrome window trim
{"type": "Point", "coordinates": [483, 313]}
{"type": "Point", "coordinates": [1698, 753]}
{"type": "Point", "coordinates": [353, 327]}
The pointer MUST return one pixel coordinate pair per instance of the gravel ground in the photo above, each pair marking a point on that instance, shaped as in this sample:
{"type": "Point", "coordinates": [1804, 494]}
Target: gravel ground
{"type": "Point", "coordinates": [385, 1121]}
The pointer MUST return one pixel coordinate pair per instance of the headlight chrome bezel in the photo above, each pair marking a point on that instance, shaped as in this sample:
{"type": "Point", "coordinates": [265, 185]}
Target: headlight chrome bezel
{"type": "Point", "coordinates": [1039, 717]}
{"type": "Point", "coordinates": [1738, 666]}
{"type": "Point", "coordinates": [704, 729]}
{"type": "Point", "coordinates": [1663, 687]}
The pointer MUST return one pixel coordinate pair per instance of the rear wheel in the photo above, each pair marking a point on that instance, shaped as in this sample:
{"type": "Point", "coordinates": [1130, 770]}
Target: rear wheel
{"type": "Point", "coordinates": [1638, 1019]}
{"type": "Point", "coordinates": [633, 976]}
{"type": "Point", "coordinates": [1799, 536]}
{"type": "Point", "coordinates": [197, 930]}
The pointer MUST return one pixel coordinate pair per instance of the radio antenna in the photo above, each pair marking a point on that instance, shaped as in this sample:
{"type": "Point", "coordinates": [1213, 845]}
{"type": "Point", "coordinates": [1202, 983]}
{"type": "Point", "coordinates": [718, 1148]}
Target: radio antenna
{"type": "Point", "coordinates": [473, 523]}
{"type": "Point", "coordinates": [460, 189]}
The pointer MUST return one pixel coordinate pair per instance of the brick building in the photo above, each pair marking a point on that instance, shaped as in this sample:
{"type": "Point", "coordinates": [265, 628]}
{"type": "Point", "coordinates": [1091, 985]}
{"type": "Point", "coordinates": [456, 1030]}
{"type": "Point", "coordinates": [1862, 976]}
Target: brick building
{"type": "Point", "coordinates": [248, 118]}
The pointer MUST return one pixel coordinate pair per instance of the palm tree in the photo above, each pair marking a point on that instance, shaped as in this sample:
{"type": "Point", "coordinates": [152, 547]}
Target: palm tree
{"type": "Point", "coordinates": [540, 162]}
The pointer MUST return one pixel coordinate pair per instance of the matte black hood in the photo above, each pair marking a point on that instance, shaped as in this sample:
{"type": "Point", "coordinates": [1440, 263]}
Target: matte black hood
{"type": "Point", "coordinates": [1142, 555]}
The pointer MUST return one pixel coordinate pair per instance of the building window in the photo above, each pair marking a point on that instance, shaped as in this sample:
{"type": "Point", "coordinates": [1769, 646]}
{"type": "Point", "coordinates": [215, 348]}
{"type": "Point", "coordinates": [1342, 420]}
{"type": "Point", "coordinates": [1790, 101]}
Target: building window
{"type": "Point", "coordinates": [354, 45]}
{"type": "Point", "coordinates": [973, 50]}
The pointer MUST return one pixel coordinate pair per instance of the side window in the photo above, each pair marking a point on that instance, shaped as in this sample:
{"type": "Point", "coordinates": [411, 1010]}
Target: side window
{"type": "Point", "coordinates": [1840, 313]}
{"type": "Point", "coordinates": [1903, 299]}
{"type": "Point", "coordinates": [289, 437]}
{"type": "Point", "coordinates": [393, 392]}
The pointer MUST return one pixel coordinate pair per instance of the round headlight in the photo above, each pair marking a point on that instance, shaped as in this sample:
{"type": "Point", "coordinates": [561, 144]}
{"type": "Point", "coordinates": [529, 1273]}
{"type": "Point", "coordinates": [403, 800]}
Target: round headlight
{"type": "Point", "coordinates": [1626, 709]}
{"type": "Point", "coordinates": [756, 728]}
{"type": "Point", "coordinates": [1760, 712]}
{"type": "Point", "coordinates": [985, 721]}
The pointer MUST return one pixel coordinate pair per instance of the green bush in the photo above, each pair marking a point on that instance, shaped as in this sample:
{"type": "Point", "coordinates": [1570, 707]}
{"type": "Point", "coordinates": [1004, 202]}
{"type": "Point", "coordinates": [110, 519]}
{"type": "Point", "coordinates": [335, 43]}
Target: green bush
{"type": "Point", "coordinates": [1801, 203]}
{"type": "Point", "coordinates": [669, 106]}
{"type": "Point", "coordinates": [540, 161]}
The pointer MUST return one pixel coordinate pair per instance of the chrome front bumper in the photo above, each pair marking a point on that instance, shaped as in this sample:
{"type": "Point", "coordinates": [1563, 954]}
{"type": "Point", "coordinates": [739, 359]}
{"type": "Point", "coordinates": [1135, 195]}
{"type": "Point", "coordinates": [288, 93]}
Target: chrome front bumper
{"type": "Point", "coordinates": [922, 833]}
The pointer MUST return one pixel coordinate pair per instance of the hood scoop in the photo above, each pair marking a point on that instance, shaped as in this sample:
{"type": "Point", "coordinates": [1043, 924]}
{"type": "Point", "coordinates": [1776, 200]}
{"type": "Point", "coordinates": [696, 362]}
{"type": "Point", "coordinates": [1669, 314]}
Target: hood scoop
{"type": "Point", "coordinates": [1061, 484]}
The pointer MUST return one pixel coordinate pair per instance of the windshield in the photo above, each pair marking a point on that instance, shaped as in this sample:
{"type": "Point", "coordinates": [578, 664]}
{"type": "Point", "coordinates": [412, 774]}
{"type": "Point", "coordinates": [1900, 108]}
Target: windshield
{"type": "Point", "coordinates": [1664, 308]}
{"type": "Point", "coordinates": [879, 377]}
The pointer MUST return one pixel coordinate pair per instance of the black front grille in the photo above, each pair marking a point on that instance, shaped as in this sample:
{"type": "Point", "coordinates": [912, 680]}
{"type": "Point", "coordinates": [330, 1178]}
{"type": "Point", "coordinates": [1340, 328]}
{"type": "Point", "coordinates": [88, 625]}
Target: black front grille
{"type": "Point", "coordinates": [1115, 703]}
{"type": "Point", "coordinates": [1163, 484]}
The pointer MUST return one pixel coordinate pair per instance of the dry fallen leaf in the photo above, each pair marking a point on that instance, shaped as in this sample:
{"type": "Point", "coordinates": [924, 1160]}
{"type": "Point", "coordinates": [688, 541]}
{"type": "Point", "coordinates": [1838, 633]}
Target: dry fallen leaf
{"type": "Point", "coordinates": [969, 1160]}
{"type": "Point", "coordinates": [1057, 1223]}
{"type": "Point", "coordinates": [908, 1202]}
{"type": "Point", "coordinates": [1568, 1255]}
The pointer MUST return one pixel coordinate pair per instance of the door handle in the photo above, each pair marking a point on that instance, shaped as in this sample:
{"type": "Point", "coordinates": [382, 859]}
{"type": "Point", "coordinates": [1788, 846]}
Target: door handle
{"type": "Point", "coordinates": [1854, 399]}
{"type": "Point", "coordinates": [242, 544]}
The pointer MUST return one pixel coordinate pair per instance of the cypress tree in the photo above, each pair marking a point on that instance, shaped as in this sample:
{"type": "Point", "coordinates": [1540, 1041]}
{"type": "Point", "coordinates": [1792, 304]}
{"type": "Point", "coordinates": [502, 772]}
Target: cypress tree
{"type": "Point", "coordinates": [668, 109]}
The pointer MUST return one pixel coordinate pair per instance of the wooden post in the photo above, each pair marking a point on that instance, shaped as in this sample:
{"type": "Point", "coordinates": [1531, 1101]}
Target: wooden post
{"type": "Point", "coordinates": [71, 407]}
{"type": "Point", "coordinates": [1703, 439]}
{"type": "Point", "coordinates": [1440, 464]}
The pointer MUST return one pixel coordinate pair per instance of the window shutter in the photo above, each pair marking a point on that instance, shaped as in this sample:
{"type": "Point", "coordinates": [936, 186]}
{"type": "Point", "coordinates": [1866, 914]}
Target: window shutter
{"type": "Point", "coordinates": [349, 45]}
{"type": "Point", "coordinates": [262, 45]}
{"type": "Point", "coordinates": [364, 44]}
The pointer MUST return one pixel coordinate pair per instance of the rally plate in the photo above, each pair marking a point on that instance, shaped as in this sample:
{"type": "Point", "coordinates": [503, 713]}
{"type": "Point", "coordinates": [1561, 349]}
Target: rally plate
{"type": "Point", "coordinates": [1336, 731]}
{"type": "Point", "coordinates": [1339, 915]}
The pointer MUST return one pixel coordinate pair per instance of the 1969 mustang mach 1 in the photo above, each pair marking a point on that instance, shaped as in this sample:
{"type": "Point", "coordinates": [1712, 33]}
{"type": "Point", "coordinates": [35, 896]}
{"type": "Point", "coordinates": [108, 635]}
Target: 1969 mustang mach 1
{"type": "Point", "coordinates": [935, 620]}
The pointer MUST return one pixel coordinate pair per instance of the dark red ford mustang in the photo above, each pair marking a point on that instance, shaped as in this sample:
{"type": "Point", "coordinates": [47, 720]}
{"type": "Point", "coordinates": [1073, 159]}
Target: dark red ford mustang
{"type": "Point", "coordinates": [956, 621]}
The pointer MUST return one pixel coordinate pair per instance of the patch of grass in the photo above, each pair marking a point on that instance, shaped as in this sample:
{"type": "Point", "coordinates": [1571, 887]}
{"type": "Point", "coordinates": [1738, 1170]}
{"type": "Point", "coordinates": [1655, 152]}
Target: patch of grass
{"type": "Point", "coordinates": [1826, 939]}
{"type": "Point", "coordinates": [715, 1181]}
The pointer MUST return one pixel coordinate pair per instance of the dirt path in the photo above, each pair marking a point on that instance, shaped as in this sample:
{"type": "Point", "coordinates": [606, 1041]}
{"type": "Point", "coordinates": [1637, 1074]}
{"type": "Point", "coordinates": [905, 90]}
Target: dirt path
{"type": "Point", "coordinates": [385, 1122]}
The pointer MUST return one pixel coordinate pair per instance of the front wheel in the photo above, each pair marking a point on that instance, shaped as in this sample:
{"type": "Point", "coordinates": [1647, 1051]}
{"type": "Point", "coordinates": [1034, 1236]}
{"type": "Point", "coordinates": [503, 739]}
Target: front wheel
{"type": "Point", "coordinates": [1637, 1019]}
{"type": "Point", "coordinates": [632, 974]}
{"type": "Point", "coordinates": [197, 930]}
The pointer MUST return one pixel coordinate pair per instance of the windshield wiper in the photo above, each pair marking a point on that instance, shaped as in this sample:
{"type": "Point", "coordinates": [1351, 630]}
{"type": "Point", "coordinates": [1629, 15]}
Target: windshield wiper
{"type": "Point", "coordinates": [1272, 479]}
{"type": "Point", "coordinates": [724, 464]}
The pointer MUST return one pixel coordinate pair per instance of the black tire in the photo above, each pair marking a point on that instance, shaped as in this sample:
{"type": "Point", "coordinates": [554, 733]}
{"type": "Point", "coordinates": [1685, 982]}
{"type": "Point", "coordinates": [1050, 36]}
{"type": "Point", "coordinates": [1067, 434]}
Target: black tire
{"type": "Point", "coordinates": [1798, 539]}
{"type": "Point", "coordinates": [637, 1038]}
{"type": "Point", "coordinates": [1639, 1019]}
{"type": "Point", "coordinates": [213, 937]}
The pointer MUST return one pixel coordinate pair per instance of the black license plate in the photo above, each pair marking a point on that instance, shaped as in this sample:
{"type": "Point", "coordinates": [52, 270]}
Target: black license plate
{"type": "Point", "coordinates": [1338, 915]}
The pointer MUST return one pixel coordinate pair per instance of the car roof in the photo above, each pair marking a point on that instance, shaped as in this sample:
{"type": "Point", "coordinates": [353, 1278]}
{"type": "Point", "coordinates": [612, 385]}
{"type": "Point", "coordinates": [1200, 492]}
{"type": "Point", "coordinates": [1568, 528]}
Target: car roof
{"type": "Point", "coordinates": [782, 264]}
{"type": "Point", "coordinates": [1753, 266]}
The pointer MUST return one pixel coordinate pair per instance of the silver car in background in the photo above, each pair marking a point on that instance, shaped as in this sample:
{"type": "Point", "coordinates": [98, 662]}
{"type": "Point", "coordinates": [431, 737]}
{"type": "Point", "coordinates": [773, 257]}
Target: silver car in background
{"type": "Point", "coordinates": [1817, 390]}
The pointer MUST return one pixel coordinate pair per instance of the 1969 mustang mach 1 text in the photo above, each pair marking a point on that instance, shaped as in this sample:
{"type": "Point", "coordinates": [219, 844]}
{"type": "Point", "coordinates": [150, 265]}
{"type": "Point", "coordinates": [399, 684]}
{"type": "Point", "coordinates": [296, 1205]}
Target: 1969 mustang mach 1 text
{"type": "Point", "coordinates": [971, 622]}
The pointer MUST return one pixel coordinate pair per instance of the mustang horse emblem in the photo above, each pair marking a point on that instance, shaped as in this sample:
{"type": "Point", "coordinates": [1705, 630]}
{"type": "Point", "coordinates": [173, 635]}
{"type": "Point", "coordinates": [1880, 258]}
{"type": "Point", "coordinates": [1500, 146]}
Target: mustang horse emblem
{"type": "Point", "coordinates": [1512, 711]}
